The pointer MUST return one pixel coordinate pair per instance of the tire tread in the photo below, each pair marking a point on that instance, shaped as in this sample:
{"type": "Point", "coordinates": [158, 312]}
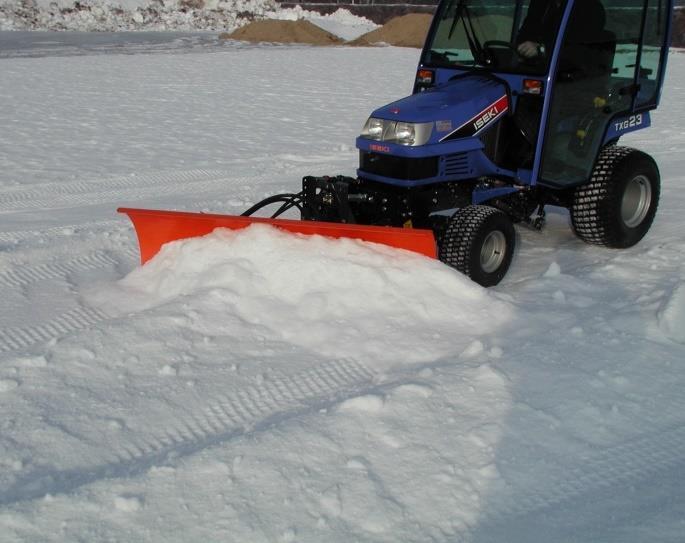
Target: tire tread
{"type": "Point", "coordinates": [593, 219]}
{"type": "Point", "coordinates": [463, 229]}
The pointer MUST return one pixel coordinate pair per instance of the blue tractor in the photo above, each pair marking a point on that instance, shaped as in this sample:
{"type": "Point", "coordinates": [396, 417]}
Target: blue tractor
{"type": "Point", "coordinates": [516, 105]}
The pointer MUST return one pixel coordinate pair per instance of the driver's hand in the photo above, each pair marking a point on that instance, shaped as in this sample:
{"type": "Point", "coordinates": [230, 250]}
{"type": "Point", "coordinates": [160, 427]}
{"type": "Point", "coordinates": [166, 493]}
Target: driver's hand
{"type": "Point", "coordinates": [528, 49]}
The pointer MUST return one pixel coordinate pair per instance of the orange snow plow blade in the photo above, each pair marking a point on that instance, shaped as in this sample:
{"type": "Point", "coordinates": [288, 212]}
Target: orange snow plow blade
{"type": "Point", "coordinates": [155, 228]}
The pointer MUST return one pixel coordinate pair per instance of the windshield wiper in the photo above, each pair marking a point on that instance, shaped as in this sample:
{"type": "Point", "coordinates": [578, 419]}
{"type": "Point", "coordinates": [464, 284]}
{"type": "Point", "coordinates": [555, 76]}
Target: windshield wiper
{"type": "Point", "coordinates": [457, 17]}
{"type": "Point", "coordinates": [462, 14]}
{"type": "Point", "coordinates": [442, 55]}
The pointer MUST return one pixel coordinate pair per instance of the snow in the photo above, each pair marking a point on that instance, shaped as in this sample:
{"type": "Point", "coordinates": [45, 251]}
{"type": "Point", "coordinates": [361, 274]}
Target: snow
{"type": "Point", "coordinates": [672, 315]}
{"type": "Point", "coordinates": [118, 15]}
{"type": "Point", "coordinates": [293, 287]}
{"type": "Point", "coordinates": [341, 22]}
{"type": "Point", "coordinates": [165, 15]}
{"type": "Point", "coordinates": [254, 386]}
{"type": "Point", "coordinates": [127, 504]}
{"type": "Point", "coordinates": [8, 384]}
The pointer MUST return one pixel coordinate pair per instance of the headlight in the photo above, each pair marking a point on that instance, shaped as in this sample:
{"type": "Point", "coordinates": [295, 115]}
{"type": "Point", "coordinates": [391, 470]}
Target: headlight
{"type": "Point", "coordinates": [373, 129]}
{"type": "Point", "coordinates": [397, 132]}
{"type": "Point", "coordinates": [405, 133]}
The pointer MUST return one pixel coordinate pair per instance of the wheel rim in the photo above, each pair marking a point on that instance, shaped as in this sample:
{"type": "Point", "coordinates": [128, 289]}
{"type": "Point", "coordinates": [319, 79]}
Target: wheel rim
{"type": "Point", "coordinates": [636, 201]}
{"type": "Point", "coordinates": [493, 251]}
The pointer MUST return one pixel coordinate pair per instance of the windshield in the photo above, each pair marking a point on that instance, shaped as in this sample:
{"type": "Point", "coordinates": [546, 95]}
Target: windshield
{"type": "Point", "coordinates": [513, 36]}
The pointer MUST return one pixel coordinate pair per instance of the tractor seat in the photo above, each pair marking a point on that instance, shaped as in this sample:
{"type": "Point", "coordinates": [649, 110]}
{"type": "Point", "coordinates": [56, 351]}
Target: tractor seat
{"type": "Point", "coordinates": [588, 59]}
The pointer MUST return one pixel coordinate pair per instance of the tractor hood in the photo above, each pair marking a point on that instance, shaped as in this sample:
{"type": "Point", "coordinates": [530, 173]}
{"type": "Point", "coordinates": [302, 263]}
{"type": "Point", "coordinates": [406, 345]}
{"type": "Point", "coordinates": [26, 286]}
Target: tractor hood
{"type": "Point", "coordinates": [460, 108]}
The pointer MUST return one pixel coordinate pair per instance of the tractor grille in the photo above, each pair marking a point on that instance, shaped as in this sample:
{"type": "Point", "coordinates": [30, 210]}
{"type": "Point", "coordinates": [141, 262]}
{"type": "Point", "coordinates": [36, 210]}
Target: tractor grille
{"type": "Point", "coordinates": [456, 165]}
{"type": "Point", "coordinates": [398, 167]}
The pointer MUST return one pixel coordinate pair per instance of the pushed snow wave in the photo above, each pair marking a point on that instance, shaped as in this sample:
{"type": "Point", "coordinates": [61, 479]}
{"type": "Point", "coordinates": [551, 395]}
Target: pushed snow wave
{"type": "Point", "coordinates": [671, 318]}
{"type": "Point", "coordinates": [337, 297]}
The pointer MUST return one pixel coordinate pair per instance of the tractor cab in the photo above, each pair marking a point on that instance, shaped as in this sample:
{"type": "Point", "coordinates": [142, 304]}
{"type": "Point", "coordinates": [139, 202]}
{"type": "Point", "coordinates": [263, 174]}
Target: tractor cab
{"type": "Point", "coordinates": [563, 78]}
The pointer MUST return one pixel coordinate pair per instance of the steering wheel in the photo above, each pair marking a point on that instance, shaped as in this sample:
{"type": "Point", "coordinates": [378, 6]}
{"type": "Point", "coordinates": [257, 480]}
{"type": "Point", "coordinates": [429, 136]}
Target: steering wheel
{"type": "Point", "coordinates": [500, 53]}
{"type": "Point", "coordinates": [500, 44]}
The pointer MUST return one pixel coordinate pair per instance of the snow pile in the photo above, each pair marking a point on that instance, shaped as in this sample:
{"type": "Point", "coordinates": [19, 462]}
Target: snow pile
{"type": "Point", "coordinates": [339, 298]}
{"type": "Point", "coordinates": [180, 15]}
{"type": "Point", "coordinates": [118, 15]}
{"type": "Point", "coordinates": [342, 22]}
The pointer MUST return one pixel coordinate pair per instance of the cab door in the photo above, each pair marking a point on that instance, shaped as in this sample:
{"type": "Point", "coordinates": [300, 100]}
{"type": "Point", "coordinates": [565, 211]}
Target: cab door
{"type": "Point", "coordinates": [653, 53]}
{"type": "Point", "coordinates": [603, 71]}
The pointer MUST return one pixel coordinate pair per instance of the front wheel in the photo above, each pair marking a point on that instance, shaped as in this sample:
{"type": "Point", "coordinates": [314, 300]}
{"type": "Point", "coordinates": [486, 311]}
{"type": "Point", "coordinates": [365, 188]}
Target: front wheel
{"type": "Point", "coordinates": [617, 207]}
{"type": "Point", "coordinates": [479, 241]}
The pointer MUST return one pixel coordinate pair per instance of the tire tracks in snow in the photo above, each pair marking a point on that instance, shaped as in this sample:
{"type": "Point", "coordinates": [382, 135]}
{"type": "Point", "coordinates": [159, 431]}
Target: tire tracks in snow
{"type": "Point", "coordinates": [81, 317]}
{"type": "Point", "coordinates": [25, 275]}
{"type": "Point", "coordinates": [586, 257]}
{"type": "Point", "coordinates": [632, 461]}
{"type": "Point", "coordinates": [257, 408]}
{"type": "Point", "coordinates": [56, 232]}
{"type": "Point", "coordinates": [99, 191]}
{"type": "Point", "coordinates": [38, 195]}
{"type": "Point", "coordinates": [224, 418]}
{"type": "Point", "coordinates": [16, 338]}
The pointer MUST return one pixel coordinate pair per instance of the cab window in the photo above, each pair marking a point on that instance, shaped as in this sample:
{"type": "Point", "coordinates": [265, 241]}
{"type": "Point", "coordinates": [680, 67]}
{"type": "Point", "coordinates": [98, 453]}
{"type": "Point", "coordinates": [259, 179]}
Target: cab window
{"type": "Point", "coordinates": [596, 81]}
{"type": "Point", "coordinates": [485, 34]}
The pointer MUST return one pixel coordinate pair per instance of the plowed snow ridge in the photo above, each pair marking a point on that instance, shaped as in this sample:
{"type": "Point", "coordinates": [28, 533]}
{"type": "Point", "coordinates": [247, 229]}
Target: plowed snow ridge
{"type": "Point", "coordinates": [224, 418]}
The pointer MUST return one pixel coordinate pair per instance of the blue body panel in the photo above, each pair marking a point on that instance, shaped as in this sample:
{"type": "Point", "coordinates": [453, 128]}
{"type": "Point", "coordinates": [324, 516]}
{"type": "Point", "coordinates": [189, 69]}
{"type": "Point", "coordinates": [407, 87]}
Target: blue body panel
{"type": "Point", "coordinates": [626, 124]}
{"type": "Point", "coordinates": [448, 106]}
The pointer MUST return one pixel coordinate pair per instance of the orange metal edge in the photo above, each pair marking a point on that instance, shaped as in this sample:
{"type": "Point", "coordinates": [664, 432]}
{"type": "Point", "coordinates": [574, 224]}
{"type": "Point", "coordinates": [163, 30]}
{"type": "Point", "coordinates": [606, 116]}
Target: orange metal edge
{"type": "Point", "coordinates": [154, 228]}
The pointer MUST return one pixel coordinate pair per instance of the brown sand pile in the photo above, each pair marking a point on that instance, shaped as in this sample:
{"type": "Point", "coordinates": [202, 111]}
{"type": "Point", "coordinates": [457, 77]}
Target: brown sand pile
{"type": "Point", "coordinates": [407, 31]}
{"type": "Point", "coordinates": [275, 31]}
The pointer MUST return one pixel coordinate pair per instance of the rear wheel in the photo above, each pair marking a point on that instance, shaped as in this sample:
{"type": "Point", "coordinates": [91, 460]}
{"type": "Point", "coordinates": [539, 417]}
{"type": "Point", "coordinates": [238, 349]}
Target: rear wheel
{"type": "Point", "coordinates": [617, 207]}
{"type": "Point", "coordinates": [479, 242]}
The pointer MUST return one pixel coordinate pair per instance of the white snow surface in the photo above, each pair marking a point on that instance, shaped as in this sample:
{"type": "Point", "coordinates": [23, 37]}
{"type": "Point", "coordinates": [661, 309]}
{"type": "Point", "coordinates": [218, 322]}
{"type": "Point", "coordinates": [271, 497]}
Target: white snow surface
{"type": "Point", "coordinates": [118, 15]}
{"type": "Point", "coordinates": [165, 15]}
{"type": "Point", "coordinates": [341, 22]}
{"type": "Point", "coordinates": [257, 386]}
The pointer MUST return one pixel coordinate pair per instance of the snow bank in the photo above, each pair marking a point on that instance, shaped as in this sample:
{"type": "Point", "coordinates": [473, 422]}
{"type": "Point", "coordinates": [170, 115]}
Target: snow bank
{"type": "Point", "coordinates": [183, 15]}
{"type": "Point", "coordinates": [336, 297]}
{"type": "Point", "coordinates": [118, 15]}
{"type": "Point", "coordinates": [342, 22]}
